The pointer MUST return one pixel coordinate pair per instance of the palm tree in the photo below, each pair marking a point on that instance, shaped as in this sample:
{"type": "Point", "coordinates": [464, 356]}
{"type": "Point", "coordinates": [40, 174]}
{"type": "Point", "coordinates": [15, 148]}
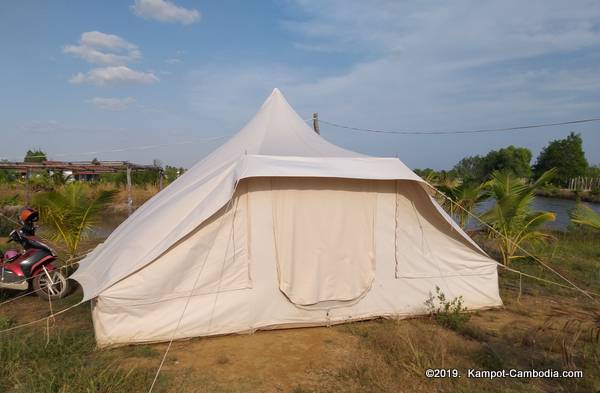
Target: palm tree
{"type": "Point", "coordinates": [466, 196]}
{"type": "Point", "coordinates": [512, 218]}
{"type": "Point", "coordinates": [585, 216]}
{"type": "Point", "coordinates": [71, 212]}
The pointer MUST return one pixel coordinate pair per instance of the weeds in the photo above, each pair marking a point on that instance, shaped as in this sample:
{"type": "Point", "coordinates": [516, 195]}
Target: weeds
{"type": "Point", "coordinates": [67, 363]}
{"type": "Point", "coordinates": [448, 313]}
{"type": "Point", "coordinates": [5, 322]}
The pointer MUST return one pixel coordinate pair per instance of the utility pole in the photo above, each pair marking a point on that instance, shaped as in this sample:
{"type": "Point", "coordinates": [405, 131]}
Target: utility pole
{"type": "Point", "coordinates": [316, 123]}
{"type": "Point", "coordinates": [28, 187]}
{"type": "Point", "coordinates": [129, 198]}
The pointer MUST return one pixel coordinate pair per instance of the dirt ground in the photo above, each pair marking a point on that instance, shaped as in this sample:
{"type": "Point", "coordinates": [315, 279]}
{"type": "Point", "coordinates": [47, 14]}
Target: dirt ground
{"type": "Point", "coordinates": [370, 356]}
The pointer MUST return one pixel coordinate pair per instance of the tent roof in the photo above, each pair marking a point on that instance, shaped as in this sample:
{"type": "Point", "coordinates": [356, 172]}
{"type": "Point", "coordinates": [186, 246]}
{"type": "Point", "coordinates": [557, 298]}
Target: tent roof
{"type": "Point", "coordinates": [277, 129]}
{"type": "Point", "coordinates": [275, 142]}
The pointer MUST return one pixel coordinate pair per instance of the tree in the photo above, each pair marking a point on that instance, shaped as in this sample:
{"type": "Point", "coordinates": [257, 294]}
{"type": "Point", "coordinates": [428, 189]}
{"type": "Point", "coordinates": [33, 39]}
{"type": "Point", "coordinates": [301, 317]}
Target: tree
{"type": "Point", "coordinates": [7, 176]}
{"type": "Point", "coordinates": [466, 196]}
{"type": "Point", "coordinates": [511, 159]}
{"type": "Point", "coordinates": [35, 156]}
{"type": "Point", "coordinates": [138, 178]}
{"type": "Point", "coordinates": [512, 218]}
{"type": "Point", "coordinates": [70, 213]}
{"type": "Point", "coordinates": [470, 169]}
{"type": "Point", "coordinates": [171, 173]}
{"type": "Point", "coordinates": [425, 173]}
{"type": "Point", "coordinates": [593, 171]}
{"type": "Point", "coordinates": [477, 169]}
{"type": "Point", "coordinates": [566, 155]}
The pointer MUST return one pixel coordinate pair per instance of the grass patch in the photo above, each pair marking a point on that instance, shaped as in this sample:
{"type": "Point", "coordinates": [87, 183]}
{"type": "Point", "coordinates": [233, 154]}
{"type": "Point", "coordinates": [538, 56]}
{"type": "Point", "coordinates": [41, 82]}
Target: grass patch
{"type": "Point", "coordinates": [66, 362]}
{"type": "Point", "coordinates": [6, 322]}
{"type": "Point", "coordinates": [141, 351]}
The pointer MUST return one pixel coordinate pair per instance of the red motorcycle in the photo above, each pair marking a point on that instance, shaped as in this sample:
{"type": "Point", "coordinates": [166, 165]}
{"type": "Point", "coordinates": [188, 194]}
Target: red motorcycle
{"type": "Point", "coordinates": [32, 268]}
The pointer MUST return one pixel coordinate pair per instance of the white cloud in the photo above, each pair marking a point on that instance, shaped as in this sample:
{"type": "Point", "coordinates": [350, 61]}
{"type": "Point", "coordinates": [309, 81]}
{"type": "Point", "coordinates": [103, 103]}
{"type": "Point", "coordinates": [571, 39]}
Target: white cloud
{"type": "Point", "coordinates": [114, 76]}
{"type": "Point", "coordinates": [165, 11]}
{"type": "Point", "coordinates": [463, 32]}
{"type": "Point", "coordinates": [105, 49]}
{"type": "Point", "coordinates": [95, 56]}
{"type": "Point", "coordinates": [110, 41]}
{"type": "Point", "coordinates": [419, 67]}
{"type": "Point", "coordinates": [111, 103]}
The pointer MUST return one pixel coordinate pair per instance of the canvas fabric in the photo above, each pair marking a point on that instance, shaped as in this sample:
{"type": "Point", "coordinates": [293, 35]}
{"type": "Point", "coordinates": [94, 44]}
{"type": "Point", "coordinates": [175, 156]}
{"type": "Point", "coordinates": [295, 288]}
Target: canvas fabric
{"type": "Point", "coordinates": [280, 228]}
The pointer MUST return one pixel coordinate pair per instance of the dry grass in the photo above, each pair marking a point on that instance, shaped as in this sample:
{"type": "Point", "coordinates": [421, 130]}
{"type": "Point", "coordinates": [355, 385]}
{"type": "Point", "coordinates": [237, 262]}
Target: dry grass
{"type": "Point", "coordinates": [371, 356]}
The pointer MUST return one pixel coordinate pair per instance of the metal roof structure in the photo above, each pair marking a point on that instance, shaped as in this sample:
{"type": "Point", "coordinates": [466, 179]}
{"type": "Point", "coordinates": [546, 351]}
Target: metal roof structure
{"type": "Point", "coordinates": [88, 167]}
{"type": "Point", "coordinates": [82, 168]}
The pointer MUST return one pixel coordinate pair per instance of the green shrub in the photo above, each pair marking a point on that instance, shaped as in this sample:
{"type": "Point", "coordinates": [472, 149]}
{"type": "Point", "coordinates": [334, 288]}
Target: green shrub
{"type": "Point", "coordinates": [448, 313]}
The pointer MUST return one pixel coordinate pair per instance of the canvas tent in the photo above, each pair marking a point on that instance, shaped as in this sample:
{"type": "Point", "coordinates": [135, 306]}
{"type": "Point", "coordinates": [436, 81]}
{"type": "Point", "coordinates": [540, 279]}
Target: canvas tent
{"type": "Point", "coordinates": [280, 228]}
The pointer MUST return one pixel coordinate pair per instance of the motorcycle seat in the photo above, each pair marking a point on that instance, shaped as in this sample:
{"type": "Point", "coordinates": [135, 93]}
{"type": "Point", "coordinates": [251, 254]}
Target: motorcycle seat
{"type": "Point", "coordinates": [9, 256]}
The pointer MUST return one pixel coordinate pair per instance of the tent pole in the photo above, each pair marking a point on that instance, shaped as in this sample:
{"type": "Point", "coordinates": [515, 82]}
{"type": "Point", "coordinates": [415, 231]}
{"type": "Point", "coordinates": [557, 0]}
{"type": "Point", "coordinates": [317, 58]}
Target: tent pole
{"type": "Point", "coordinates": [316, 123]}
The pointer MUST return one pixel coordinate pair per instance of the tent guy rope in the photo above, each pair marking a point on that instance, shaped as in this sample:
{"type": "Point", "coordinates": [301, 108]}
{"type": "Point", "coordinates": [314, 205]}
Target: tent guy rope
{"type": "Point", "coordinates": [27, 293]}
{"type": "Point", "coordinates": [41, 319]}
{"type": "Point", "coordinates": [572, 285]}
{"type": "Point", "coordinates": [189, 297]}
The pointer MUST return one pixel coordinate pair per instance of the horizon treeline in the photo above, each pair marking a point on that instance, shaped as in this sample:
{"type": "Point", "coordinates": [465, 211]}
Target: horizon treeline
{"type": "Point", "coordinates": [566, 155]}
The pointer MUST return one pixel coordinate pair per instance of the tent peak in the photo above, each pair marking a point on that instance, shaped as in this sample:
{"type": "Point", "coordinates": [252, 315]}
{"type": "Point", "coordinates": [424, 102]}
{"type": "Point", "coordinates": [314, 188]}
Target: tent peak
{"type": "Point", "coordinates": [275, 96]}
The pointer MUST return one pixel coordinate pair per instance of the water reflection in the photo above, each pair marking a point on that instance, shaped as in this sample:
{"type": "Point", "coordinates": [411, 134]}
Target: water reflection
{"type": "Point", "coordinates": [559, 206]}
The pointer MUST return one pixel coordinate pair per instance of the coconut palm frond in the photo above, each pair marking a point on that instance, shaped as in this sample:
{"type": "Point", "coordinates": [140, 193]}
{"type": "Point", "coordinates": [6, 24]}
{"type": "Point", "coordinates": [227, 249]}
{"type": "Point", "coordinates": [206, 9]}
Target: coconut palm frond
{"type": "Point", "coordinates": [544, 178]}
{"type": "Point", "coordinates": [585, 216]}
{"type": "Point", "coordinates": [466, 196]}
{"type": "Point", "coordinates": [69, 213]}
{"type": "Point", "coordinates": [512, 218]}
{"type": "Point", "coordinates": [537, 219]}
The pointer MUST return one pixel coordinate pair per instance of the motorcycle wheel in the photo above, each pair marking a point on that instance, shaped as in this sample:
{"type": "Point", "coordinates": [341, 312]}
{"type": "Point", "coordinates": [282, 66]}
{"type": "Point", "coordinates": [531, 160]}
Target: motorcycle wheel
{"type": "Point", "coordinates": [54, 287]}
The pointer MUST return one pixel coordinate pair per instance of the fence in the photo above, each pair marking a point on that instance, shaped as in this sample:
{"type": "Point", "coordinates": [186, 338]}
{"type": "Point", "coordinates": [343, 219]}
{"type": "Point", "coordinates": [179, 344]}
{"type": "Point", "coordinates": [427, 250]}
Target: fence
{"type": "Point", "coordinates": [584, 183]}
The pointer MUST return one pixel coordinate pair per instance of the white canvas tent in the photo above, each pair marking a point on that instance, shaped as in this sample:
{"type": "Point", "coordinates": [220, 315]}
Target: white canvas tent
{"type": "Point", "coordinates": [280, 228]}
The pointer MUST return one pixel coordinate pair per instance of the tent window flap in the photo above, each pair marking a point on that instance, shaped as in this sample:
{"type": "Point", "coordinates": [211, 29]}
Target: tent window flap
{"type": "Point", "coordinates": [324, 238]}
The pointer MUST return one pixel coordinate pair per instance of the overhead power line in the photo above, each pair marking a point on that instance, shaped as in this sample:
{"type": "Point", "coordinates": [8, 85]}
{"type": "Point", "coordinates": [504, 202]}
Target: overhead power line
{"type": "Point", "coordinates": [446, 132]}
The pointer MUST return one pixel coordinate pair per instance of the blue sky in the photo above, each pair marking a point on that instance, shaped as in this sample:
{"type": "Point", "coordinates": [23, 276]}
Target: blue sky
{"type": "Point", "coordinates": [113, 79]}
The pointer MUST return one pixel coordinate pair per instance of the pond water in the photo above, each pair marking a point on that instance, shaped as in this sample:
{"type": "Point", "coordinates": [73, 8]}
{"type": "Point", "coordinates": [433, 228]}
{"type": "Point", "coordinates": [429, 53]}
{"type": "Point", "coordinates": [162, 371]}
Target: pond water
{"type": "Point", "coordinates": [561, 207]}
{"type": "Point", "coordinates": [106, 226]}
